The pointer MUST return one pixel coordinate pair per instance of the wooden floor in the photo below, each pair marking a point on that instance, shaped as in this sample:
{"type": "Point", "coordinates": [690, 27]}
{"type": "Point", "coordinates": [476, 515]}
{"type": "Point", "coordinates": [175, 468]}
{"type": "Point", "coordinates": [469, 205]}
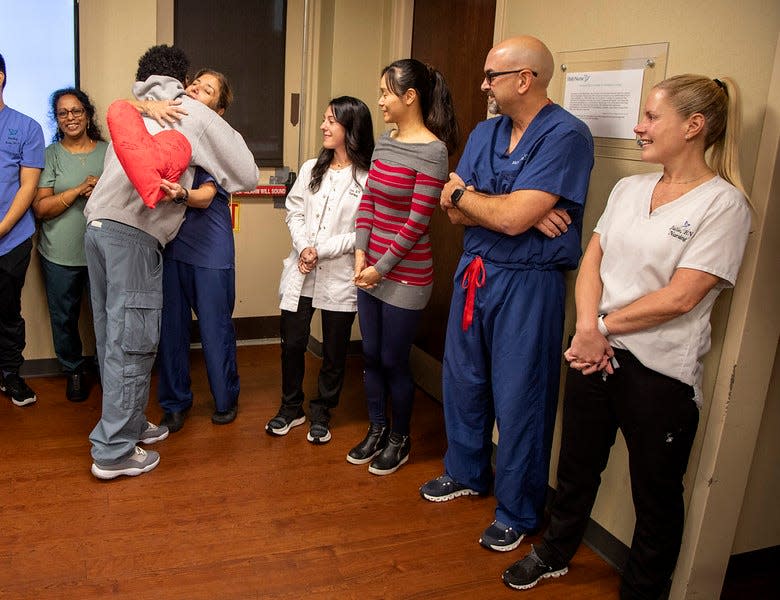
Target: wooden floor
{"type": "Point", "coordinates": [231, 512]}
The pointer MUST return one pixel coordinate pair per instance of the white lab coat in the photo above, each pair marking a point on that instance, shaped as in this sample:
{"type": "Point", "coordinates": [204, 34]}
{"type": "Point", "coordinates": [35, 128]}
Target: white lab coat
{"type": "Point", "coordinates": [325, 220]}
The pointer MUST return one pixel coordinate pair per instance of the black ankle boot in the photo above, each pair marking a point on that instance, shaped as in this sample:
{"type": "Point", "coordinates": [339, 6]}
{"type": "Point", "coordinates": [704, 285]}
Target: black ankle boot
{"type": "Point", "coordinates": [393, 456]}
{"type": "Point", "coordinates": [372, 444]}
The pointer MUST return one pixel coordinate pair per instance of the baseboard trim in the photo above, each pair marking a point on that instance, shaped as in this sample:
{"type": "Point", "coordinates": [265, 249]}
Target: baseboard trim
{"type": "Point", "coordinates": [606, 545]}
{"type": "Point", "coordinates": [248, 329]}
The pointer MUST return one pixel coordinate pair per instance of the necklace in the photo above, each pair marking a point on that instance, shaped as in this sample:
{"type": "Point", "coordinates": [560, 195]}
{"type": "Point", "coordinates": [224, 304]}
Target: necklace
{"type": "Point", "coordinates": [82, 152]}
{"type": "Point", "coordinates": [339, 165]}
{"type": "Point", "coordinates": [686, 181]}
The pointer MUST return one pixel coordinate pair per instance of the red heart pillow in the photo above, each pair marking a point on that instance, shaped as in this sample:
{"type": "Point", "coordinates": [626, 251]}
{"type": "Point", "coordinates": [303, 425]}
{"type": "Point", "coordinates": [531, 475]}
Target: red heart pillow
{"type": "Point", "coordinates": [146, 158]}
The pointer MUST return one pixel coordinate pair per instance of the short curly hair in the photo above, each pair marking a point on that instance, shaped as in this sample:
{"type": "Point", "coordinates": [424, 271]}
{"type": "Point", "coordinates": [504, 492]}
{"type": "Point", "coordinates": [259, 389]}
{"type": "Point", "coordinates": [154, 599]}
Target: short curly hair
{"type": "Point", "coordinates": [163, 60]}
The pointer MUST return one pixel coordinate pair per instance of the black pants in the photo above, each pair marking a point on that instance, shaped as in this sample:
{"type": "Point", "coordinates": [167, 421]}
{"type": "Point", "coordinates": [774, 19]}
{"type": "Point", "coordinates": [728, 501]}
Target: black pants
{"type": "Point", "coordinates": [13, 268]}
{"type": "Point", "coordinates": [295, 330]}
{"type": "Point", "coordinates": [658, 419]}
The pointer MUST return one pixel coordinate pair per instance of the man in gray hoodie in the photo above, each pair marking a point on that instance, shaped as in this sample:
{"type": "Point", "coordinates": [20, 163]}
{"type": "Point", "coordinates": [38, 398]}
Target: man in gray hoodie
{"type": "Point", "coordinates": [123, 244]}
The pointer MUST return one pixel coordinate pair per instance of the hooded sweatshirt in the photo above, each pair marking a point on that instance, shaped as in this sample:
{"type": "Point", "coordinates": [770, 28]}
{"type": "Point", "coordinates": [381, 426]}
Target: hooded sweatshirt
{"type": "Point", "coordinates": [216, 147]}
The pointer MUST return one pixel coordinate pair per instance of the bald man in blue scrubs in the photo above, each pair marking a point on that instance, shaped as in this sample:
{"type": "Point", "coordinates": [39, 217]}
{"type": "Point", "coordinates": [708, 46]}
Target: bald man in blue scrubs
{"type": "Point", "coordinates": [520, 190]}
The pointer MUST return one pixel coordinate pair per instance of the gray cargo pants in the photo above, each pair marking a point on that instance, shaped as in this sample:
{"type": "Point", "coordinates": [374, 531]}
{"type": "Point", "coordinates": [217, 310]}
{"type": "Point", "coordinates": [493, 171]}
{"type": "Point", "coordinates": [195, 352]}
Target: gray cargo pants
{"type": "Point", "coordinates": [125, 272]}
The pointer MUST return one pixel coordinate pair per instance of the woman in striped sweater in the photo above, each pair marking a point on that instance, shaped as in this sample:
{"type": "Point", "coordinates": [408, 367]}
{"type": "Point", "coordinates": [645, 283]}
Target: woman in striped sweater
{"type": "Point", "coordinates": [393, 259]}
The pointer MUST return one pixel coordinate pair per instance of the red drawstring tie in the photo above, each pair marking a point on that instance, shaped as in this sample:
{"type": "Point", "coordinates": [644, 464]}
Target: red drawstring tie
{"type": "Point", "coordinates": [473, 278]}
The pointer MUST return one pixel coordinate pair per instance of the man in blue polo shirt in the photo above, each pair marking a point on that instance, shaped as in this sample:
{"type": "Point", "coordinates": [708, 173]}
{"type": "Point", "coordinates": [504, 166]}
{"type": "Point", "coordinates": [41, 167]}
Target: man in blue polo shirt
{"type": "Point", "coordinates": [520, 174]}
{"type": "Point", "coordinates": [21, 161]}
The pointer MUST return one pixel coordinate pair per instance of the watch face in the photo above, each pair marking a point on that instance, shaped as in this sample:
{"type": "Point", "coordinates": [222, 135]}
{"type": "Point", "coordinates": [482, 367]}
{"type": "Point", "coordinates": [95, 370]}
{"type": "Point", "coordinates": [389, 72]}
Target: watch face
{"type": "Point", "coordinates": [455, 196]}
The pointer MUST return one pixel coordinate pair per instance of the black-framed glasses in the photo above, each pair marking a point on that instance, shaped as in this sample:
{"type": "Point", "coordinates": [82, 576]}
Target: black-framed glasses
{"type": "Point", "coordinates": [491, 75]}
{"type": "Point", "coordinates": [76, 112]}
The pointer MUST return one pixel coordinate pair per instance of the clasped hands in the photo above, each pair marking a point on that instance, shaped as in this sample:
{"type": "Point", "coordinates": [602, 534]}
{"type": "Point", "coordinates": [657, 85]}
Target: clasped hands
{"type": "Point", "coordinates": [89, 183]}
{"type": "Point", "coordinates": [366, 278]}
{"type": "Point", "coordinates": [590, 352]}
{"type": "Point", "coordinates": [307, 260]}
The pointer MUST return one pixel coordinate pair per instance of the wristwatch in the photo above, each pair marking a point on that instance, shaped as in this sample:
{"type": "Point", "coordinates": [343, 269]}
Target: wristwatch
{"type": "Point", "coordinates": [456, 195]}
{"type": "Point", "coordinates": [602, 327]}
{"type": "Point", "coordinates": [182, 199]}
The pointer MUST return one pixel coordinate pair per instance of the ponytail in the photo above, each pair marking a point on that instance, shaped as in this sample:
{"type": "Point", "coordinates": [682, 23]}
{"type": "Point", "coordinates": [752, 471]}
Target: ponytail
{"type": "Point", "coordinates": [435, 100]}
{"type": "Point", "coordinates": [440, 119]}
{"type": "Point", "coordinates": [725, 153]}
{"type": "Point", "coordinates": [718, 101]}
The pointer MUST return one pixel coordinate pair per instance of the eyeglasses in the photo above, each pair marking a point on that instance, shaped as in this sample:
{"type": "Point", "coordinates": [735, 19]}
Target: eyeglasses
{"type": "Point", "coordinates": [491, 75]}
{"type": "Point", "coordinates": [76, 112]}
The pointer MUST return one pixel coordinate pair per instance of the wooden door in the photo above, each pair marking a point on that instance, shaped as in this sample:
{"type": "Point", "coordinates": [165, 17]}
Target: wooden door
{"type": "Point", "coordinates": [454, 36]}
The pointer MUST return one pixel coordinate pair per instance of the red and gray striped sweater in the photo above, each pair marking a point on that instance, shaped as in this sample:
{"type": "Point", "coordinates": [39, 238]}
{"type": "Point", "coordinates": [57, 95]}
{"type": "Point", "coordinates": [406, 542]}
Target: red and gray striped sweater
{"type": "Point", "coordinates": [402, 192]}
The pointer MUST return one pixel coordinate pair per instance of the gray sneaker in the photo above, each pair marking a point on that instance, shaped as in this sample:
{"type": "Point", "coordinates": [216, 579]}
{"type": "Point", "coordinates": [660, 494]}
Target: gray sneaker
{"type": "Point", "coordinates": [153, 433]}
{"type": "Point", "coordinates": [140, 461]}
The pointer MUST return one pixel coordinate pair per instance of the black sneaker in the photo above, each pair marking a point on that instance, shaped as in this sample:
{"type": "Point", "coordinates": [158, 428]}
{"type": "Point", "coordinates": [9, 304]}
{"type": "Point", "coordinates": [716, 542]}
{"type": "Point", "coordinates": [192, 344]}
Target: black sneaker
{"type": "Point", "coordinates": [283, 422]}
{"type": "Point", "coordinates": [15, 387]}
{"type": "Point", "coordinates": [526, 573]}
{"type": "Point", "coordinates": [501, 537]}
{"type": "Point", "coordinates": [225, 417]}
{"type": "Point", "coordinates": [77, 388]}
{"type": "Point", "coordinates": [395, 454]}
{"type": "Point", "coordinates": [174, 421]}
{"type": "Point", "coordinates": [372, 444]}
{"type": "Point", "coordinates": [444, 488]}
{"type": "Point", "coordinates": [318, 433]}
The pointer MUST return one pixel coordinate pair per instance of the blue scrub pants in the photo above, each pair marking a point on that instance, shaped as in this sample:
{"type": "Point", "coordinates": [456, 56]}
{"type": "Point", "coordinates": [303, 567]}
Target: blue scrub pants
{"type": "Point", "coordinates": [125, 273]}
{"type": "Point", "coordinates": [65, 286]}
{"type": "Point", "coordinates": [211, 293]}
{"type": "Point", "coordinates": [505, 367]}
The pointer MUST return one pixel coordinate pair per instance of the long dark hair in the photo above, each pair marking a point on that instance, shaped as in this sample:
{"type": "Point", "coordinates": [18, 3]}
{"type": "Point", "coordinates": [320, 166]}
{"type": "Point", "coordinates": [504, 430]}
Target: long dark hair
{"type": "Point", "coordinates": [353, 115]}
{"type": "Point", "coordinates": [435, 99]}
{"type": "Point", "coordinates": [93, 129]}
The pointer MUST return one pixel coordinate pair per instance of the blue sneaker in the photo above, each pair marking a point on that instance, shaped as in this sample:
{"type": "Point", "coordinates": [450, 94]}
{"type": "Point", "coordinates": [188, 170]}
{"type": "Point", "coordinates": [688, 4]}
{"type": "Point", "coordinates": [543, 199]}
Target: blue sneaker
{"type": "Point", "coordinates": [501, 537]}
{"type": "Point", "coordinates": [444, 488]}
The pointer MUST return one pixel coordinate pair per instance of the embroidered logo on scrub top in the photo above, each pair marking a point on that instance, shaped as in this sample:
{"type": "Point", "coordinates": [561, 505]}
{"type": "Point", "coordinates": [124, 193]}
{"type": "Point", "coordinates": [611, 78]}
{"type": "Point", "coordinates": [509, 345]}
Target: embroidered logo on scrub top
{"type": "Point", "coordinates": [682, 232]}
{"type": "Point", "coordinates": [519, 160]}
{"type": "Point", "coordinates": [355, 191]}
{"type": "Point", "coordinates": [13, 136]}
